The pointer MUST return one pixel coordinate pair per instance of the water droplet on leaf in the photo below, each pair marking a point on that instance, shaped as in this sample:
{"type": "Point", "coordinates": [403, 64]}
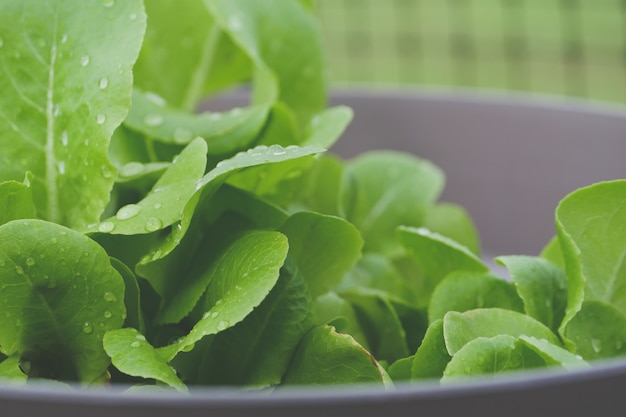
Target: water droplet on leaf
{"type": "Point", "coordinates": [87, 328]}
{"type": "Point", "coordinates": [153, 224]}
{"type": "Point", "coordinates": [135, 344]}
{"type": "Point", "coordinates": [19, 270]}
{"type": "Point", "coordinates": [107, 314]}
{"type": "Point", "coordinates": [596, 345]}
{"type": "Point", "coordinates": [128, 211]}
{"type": "Point", "coordinates": [153, 120]}
{"type": "Point", "coordinates": [106, 227]}
{"type": "Point", "coordinates": [64, 138]}
{"type": "Point", "coordinates": [156, 99]}
{"type": "Point", "coordinates": [30, 261]}
{"type": "Point", "coordinates": [84, 60]}
{"type": "Point", "coordinates": [100, 119]}
{"type": "Point", "coordinates": [103, 83]}
{"type": "Point", "coordinates": [109, 296]}
{"type": "Point", "coordinates": [131, 169]}
{"type": "Point", "coordinates": [182, 136]}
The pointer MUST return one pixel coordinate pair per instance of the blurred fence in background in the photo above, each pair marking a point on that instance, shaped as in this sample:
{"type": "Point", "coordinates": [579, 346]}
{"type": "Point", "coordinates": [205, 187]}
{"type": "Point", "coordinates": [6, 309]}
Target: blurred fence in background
{"type": "Point", "coordinates": [567, 47]}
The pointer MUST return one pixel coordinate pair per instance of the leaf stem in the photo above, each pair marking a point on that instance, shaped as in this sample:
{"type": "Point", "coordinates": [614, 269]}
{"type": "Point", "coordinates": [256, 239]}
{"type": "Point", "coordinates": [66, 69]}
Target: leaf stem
{"type": "Point", "coordinates": [194, 89]}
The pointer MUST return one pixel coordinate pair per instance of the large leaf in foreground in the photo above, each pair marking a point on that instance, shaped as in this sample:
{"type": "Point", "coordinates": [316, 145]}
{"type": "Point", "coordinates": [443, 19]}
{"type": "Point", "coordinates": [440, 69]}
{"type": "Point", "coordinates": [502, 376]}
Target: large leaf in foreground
{"type": "Point", "coordinates": [591, 226]}
{"type": "Point", "coordinates": [65, 77]}
{"type": "Point", "coordinates": [327, 357]}
{"type": "Point", "coordinates": [59, 294]}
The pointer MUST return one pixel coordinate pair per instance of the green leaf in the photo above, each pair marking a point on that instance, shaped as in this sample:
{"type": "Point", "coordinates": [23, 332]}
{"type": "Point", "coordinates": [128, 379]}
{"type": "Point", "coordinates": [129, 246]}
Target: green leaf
{"type": "Point", "coordinates": [598, 331]}
{"type": "Point", "coordinates": [133, 355]}
{"type": "Point", "coordinates": [326, 127]}
{"type": "Point", "coordinates": [461, 328]}
{"type": "Point", "coordinates": [435, 256]}
{"type": "Point", "coordinates": [462, 291]}
{"type": "Point", "coordinates": [214, 179]}
{"type": "Point", "coordinates": [236, 283]}
{"type": "Point", "coordinates": [327, 357]}
{"type": "Point", "coordinates": [281, 39]}
{"type": "Point", "coordinates": [384, 190]}
{"type": "Point", "coordinates": [163, 205]}
{"type": "Point", "coordinates": [591, 226]}
{"type": "Point", "coordinates": [453, 221]}
{"type": "Point", "coordinates": [257, 351]}
{"type": "Point", "coordinates": [10, 371]}
{"type": "Point", "coordinates": [331, 309]}
{"type": "Point", "coordinates": [541, 285]}
{"type": "Point", "coordinates": [400, 370]}
{"type": "Point", "coordinates": [66, 79]}
{"type": "Point", "coordinates": [552, 252]}
{"type": "Point", "coordinates": [225, 133]}
{"type": "Point", "coordinates": [552, 354]}
{"type": "Point", "coordinates": [184, 58]}
{"type": "Point", "coordinates": [60, 294]}
{"type": "Point", "coordinates": [324, 248]}
{"type": "Point", "coordinates": [490, 356]}
{"type": "Point", "coordinates": [319, 186]}
{"type": "Point", "coordinates": [16, 200]}
{"type": "Point", "coordinates": [380, 323]}
{"type": "Point", "coordinates": [432, 356]}
{"type": "Point", "coordinates": [132, 296]}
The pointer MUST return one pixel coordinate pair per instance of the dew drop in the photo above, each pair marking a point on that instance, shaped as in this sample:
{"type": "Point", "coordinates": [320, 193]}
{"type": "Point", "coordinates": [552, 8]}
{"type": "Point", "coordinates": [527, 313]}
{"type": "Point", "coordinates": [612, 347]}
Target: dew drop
{"type": "Point", "coordinates": [132, 16]}
{"type": "Point", "coordinates": [236, 112]}
{"type": "Point", "coordinates": [54, 240]}
{"type": "Point", "coordinates": [86, 142]}
{"type": "Point", "coordinates": [182, 135]}
{"type": "Point", "coordinates": [87, 328]}
{"type": "Point", "coordinates": [103, 83]}
{"type": "Point", "coordinates": [222, 325]}
{"type": "Point", "coordinates": [128, 212]}
{"type": "Point", "coordinates": [157, 205]}
{"type": "Point", "coordinates": [155, 99]}
{"type": "Point", "coordinates": [106, 227]}
{"type": "Point", "coordinates": [108, 3]}
{"type": "Point", "coordinates": [84, 60]}
{"type": "Point", "coordinates": [30, 261]}
{"type": "Point", "coordinates": [215, 314]}
{"type": "Point", "coordinates": [141, 337]}
{"type": "Point", "coordinates": [100, 119]}
{"type": "Point", "coordinates": [596, 344]}
{"type": "Point", "coordinates": [19, 270]}
{"type": "Point", "coordinates": [215, 117]}
{"type": "Point", "coordinates": [153, 120]}
{"type": "Point", "coordinates": [135, 344]}
{"type": "Point", "coordinates": [131, 169]}
{"type": "Point", "coordinates": [206, 315]}
{"type": "Point", "coordinates": [277, 150]}
{"type": "Point", "coordinates": [109, 296]}
{"type": "Point", "coordinates": [64, 38]}
{"type": "Point", "coordinates": [106, 171]}
{"type": "Point", "coordinates": [64, 138]}
{"type": "Point", "coordinates": [61, 167]}
{"type": "Point", "coordinates": [153, 224]}
{"type": "Point", "coordinates": [107, 314]}
{"type": "Point", "coordinates": [56, 110]}
{"type": "Point", "coordinates": [101, 324]}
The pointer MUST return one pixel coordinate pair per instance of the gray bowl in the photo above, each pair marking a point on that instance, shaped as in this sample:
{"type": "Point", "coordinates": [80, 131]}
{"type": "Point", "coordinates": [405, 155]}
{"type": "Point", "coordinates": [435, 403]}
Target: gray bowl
{"type": "Point", "coordinates": [508, 160]}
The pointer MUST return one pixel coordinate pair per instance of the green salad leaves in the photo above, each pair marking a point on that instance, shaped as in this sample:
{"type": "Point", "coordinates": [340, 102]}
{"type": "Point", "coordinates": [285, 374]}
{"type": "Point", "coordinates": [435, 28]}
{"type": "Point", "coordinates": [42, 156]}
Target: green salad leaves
{"type": "Point", "coordinates": [148, 241]}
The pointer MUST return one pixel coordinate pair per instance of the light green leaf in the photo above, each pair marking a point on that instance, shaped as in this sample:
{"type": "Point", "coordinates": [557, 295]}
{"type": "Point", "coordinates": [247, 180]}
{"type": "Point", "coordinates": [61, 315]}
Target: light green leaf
{"type": "Point", "coordinates": [453, 221]}
{"type": "Point", "coordinates": [319, 186]}
{"type": "Point", "coordinates": [435, 256]}
{"type": "Point", "coordinates": [326, 127]}
{"type": "Point", "coordinates": [461, 328]}
{"type": "Point", "coordinates": [331, 309]}
{"type": "Point", "coordinates": [541, 285]}
{"type": "Point", "coordinates": [598, 331]}
{"type": "Point", "coordinates": [214, 179]}
{"type": "Point", "coordinates": [327, 357]}
{"type": "Point", "coordinates": [462, 291]}
{"type": "Point", "coordinates": [490, 356]}
{"type": "Point", "coordinates": [384, 190]}
{"type": "Point", "coordinates": [552, 252]}
{"type": "Point", "coordinates": [10, 371]}
{"type": "Point", "coordinates": [257, 351]}
{"type": "Point", "coordinates": [553, 354]}
{"type": "Point", "coordinates": [324, 248]}
{"type": "Point", "coordinates": [60, 294]}
{"type": "Point", "coordinates": [591, 226]}
{"type": "Point", "coordinates": [186, 57]}
{"type": "Point", "coordinates": [133, 355]}
{"type": "Point", "coordinates": [65, 74]}
{"type": "Point", "coordinates": [281, 39]}
{"type": "Point", "coordinates": [225, 133]}
{"type": "Point", "coordinates": [236, 283]}
{"type": "Point", "coordinates": [432, 356]}
{"type": "Point", "coordinates": [16, 200]}
{"type": "Point", "coordinates": [163, 205]}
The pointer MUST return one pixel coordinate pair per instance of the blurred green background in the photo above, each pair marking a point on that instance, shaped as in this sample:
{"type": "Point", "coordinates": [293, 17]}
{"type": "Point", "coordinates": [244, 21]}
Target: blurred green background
{"type": "Point", "coordinates": [566, 47]}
